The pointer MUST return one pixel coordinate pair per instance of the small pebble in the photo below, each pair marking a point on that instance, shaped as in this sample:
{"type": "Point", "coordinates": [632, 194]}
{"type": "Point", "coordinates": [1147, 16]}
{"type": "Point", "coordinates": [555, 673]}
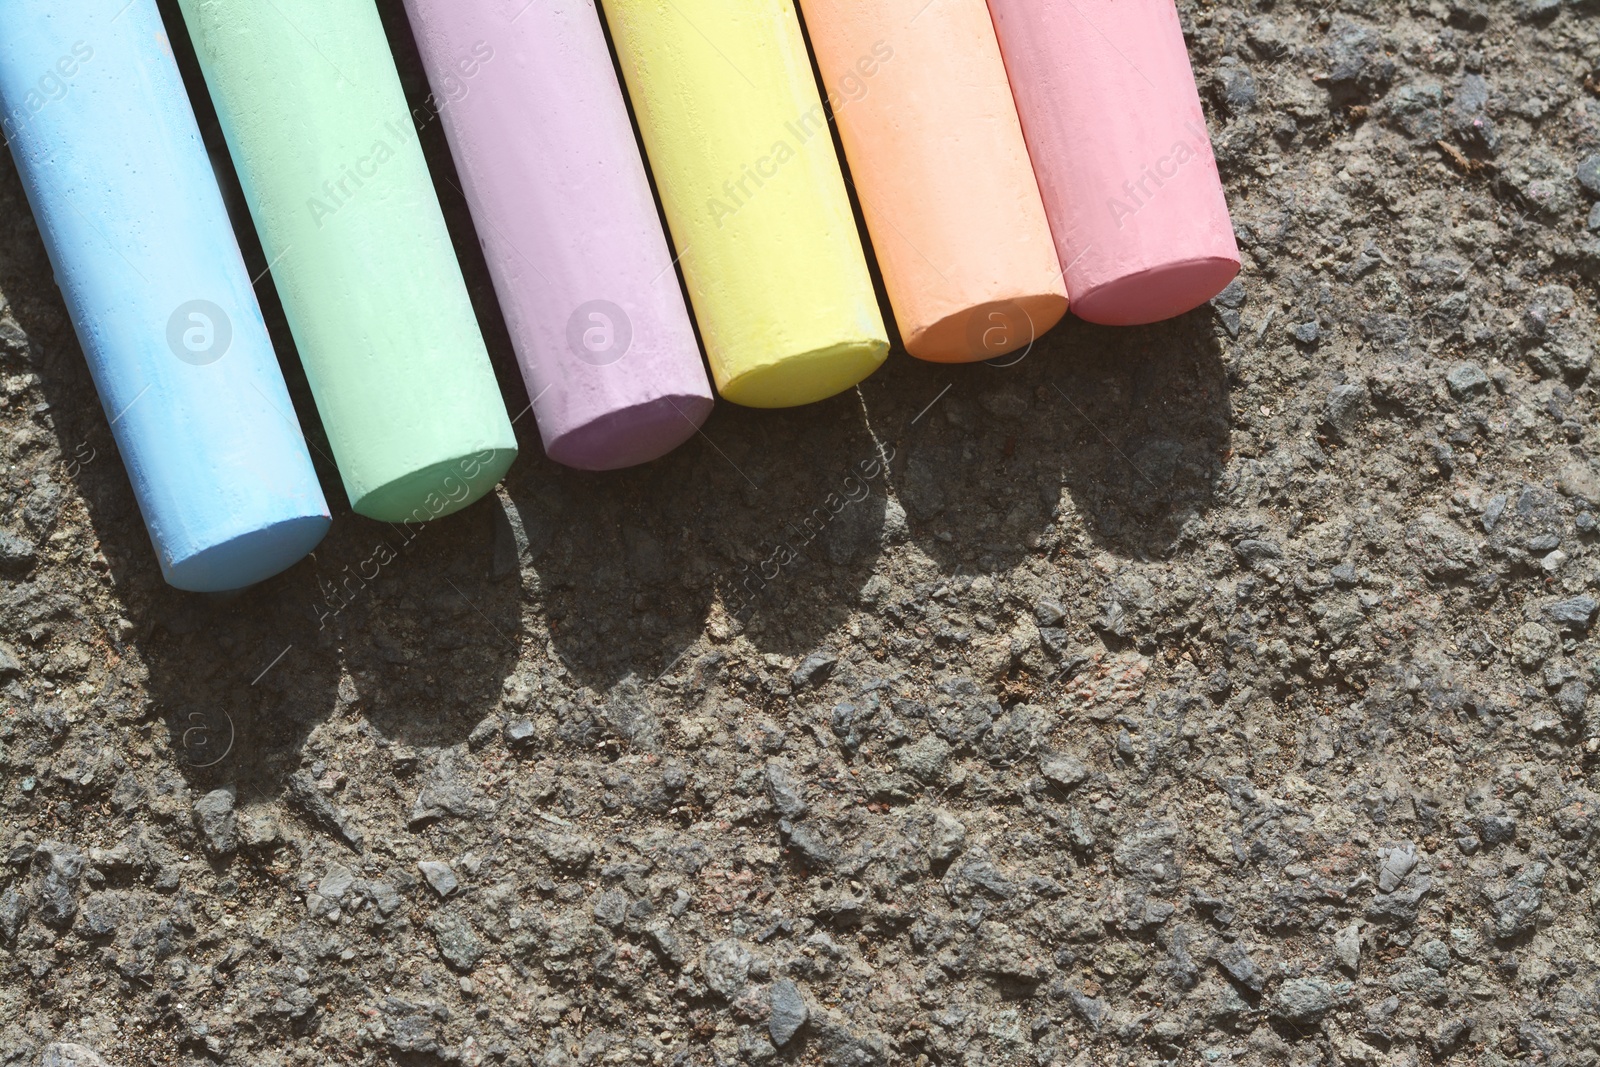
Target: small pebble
{"type": "Point", "coordinates": [440, 876]}
{"type": "Point", "coordinates": [1589, 174]}
{"type": "Point", "coordinates": [1466, 380]}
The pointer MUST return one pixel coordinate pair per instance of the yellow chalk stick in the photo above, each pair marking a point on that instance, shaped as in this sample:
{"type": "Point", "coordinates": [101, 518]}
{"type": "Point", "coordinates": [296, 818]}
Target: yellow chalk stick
{"type": "Point", "coordinates": [738, 140]}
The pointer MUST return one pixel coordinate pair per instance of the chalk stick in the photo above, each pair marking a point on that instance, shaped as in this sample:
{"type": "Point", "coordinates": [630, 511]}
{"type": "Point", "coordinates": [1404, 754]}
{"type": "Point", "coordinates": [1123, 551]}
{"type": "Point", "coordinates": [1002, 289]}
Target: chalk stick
{"type": "Point", "coordinates": [550, 166]}
{"type": "Point", "coordinates": [743, 158]}
{"type": "Point", "coordinates": [936, 154]}
{"type": "Point", "coordinates": [95, 113]}
{"type": "Point", "coordinates": [327, 152]}
{"type": "Point", "coordinates": [1118, 139]}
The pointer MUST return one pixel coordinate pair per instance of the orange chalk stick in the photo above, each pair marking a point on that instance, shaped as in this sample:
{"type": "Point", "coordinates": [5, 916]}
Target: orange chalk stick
{"type": "Point", "coordinates": [938, 160]}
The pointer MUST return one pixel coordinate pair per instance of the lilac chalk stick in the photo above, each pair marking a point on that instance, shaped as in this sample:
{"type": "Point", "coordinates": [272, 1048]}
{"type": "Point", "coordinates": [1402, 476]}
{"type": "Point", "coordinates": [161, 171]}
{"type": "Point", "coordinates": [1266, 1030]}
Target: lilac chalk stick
{"type": "Point", "coordinates": [540, 134]}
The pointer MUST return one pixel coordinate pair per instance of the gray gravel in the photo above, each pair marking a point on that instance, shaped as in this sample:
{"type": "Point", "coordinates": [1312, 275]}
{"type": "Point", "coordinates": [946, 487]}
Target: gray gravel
{"type": "Point", "coordinates": [1218, 692]}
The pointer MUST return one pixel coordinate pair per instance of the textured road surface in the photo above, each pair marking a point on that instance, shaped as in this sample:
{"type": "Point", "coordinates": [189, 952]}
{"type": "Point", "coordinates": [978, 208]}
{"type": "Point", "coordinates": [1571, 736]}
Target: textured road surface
{"type": "Point", "coordinates": [1215, 692]}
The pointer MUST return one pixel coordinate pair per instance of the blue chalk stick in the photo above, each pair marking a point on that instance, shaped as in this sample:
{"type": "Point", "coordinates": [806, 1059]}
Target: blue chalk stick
{"type": "Point", "coordinates": [95, 113]}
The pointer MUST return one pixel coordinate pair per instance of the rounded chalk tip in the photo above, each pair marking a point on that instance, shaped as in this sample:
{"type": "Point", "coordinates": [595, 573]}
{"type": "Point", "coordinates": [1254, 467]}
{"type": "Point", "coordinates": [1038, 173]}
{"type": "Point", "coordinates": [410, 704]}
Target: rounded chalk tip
{"type": "Point", "coordinates": [632, 435]}
{"type": "Point", "coordinates": [437, 490]}
{"type": "Point", "coordinates": [1156, 294]}
{"type": "Point", "coordinates": [249, 558]}
{"type": "Point", "coordinates": [989, 331]}
{"type": "Point", "coordinates": [807, 377]}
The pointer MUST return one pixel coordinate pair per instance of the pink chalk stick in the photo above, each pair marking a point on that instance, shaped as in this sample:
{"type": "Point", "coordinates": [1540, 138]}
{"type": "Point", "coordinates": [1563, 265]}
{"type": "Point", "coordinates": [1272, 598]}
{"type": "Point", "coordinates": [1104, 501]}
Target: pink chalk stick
{"type": "Point", "coordinates": [1118, 140]}
{"type": "Point", "coordinates": [540, 133]}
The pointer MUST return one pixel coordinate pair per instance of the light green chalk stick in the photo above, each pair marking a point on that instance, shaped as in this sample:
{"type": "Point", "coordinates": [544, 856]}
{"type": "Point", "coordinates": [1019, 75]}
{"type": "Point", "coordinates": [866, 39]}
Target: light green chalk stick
{"type": "Point", "coordinates": [328, 155]}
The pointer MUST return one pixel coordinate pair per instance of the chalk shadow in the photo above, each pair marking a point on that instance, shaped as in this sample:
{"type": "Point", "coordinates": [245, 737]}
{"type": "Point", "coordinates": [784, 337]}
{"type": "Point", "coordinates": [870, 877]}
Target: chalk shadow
{"type": "Point", "coordinates": [761, 511]}
{"type": "Point", "coordinates": [416, 635]}
{"type": "Point", "coordinates": [1133, 423]}
{"type": "Point", "coordinates": [768, 514]}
